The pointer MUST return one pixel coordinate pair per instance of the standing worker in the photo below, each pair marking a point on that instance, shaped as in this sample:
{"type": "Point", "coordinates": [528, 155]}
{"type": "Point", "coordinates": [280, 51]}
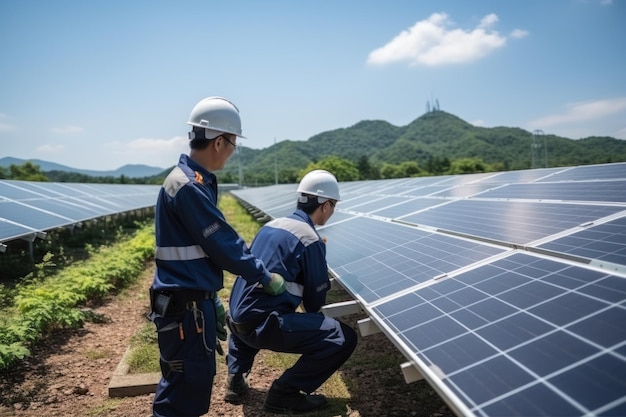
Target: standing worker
{"type": "Point", "coordinates": [292, 247]}
{"type": "Point", "coordinates": [194, 244]}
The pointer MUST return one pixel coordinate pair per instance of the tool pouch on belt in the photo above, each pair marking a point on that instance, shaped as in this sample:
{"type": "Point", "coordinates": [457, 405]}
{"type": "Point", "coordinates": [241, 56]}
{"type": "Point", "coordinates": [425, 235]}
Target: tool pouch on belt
{"type": "Point", "coordinates": [160, 302]}
{"type": "Point", "coordinates": [171, 303]}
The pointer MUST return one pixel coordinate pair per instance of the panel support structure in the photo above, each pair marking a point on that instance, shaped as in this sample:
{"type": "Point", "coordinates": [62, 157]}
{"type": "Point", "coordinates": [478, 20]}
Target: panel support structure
{"type": "Point", "coordinates": [410, 372]}
{"type": "Point", "coordinates": [367, 327]}
{"type": "Point", "coordinates": [343, 308]}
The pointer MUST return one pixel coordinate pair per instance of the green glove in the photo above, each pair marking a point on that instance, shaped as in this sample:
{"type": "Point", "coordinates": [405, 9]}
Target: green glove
{"type": "Point", "coordinates": [220, 319]}
{"type": "Point", "coordinates": [276, 286]}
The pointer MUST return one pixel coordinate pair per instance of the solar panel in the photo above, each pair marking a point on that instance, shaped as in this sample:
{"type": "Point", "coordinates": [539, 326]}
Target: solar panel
{"type": "Point", "coordinates": [507, 221]}
{"type": "Point", "coordinates": [604, 242]}
{"type": "Point", "coordinates": [507, 291]}
{"type": "Point", "coordinates": [607, 191]}
{"type": "Point", "coordinates": [28, 208]}
{"type": "Point", "coordinates": [589, 172]}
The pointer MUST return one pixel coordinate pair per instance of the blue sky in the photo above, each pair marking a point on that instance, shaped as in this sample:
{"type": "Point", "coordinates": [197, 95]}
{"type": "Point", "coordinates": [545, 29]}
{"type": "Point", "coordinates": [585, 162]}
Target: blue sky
{"type": "Point", "coordinates": [101, 84]}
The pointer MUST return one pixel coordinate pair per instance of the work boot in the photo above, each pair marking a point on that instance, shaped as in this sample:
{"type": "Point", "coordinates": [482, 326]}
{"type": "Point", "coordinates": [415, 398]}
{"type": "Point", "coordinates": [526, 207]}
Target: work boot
{"type": "Point", "coordinates": [236, 387]}
{"type": "Point", "coordinates": [285, 399]}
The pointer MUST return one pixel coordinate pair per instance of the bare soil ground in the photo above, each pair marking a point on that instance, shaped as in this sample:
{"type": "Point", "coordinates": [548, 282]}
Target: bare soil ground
{"type": "Point", "coordinates": [68, 375]}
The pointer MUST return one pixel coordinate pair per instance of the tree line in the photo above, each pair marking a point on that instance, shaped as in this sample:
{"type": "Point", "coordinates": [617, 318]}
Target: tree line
{"type": "Point", "coordinates": [29, 171]}
{"type": "Point", "coordinates": [344, 170]}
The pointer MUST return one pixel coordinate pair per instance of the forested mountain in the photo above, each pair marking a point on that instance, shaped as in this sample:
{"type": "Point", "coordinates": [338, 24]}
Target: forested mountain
{"type": "Point", "coordinates": [436, 135]}
{"type": "Point", "coordinates": [435, 143]}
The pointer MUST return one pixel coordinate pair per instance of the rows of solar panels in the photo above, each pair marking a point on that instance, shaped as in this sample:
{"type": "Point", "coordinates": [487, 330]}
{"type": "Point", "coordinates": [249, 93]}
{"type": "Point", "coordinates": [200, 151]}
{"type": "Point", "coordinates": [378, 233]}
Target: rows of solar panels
{"type": "Point", "coordinates": [28, 209]}
{"type": "Point", "coordinates": [506, 290]}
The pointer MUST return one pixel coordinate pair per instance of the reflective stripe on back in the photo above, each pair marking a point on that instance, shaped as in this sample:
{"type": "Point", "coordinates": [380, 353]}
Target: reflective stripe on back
{"type": "Point", "coordinates": [299, 229]}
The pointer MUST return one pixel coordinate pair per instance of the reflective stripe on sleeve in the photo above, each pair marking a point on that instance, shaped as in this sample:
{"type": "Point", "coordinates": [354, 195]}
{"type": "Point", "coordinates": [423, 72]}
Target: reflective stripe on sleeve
{"type": "Point", "coordinates": [180, 253]}
{"type": "Point", "coordinates": [292, 288]}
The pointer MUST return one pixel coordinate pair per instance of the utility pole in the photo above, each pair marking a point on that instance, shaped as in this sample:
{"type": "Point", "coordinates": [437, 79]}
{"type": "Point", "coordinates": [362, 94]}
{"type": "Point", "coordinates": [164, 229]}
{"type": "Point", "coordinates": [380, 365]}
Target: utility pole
{"type": "Point", "coordinates": [239, 150]}
{"type": "Point", "coordinates": [275, 162]}
{"type": "Point", "coordinates": [538, 150]}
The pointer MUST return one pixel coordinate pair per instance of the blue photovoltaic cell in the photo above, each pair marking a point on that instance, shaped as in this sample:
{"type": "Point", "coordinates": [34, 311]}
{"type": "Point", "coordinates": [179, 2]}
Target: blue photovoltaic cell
{"type": "Point", "coordinates": [522, 176]}
{"type": "Point", "coordinates": [377, 259]}
{"type": "Point", "coordinates": [514, 222]}
{"type": "Point", "coordinates": [534, 400]}
{"type": "Point", "coordinates": [594, 383]}
{"type": "Point", "coordinates": [69, 210]}
{"type": "Point", "coordinates": [355, 201]}
{"type": "Point", "coordinates": [408, 206]}
{"type": "Point", "coordinates": [606, 242]}
{"type": "Point", "coordinates": [464, 190]}
{"type": "Point", "coordinates": [369, 205]}
{"type": "Point", "coordinates": [427, 191]}
{"type": "Point", "coordinates": [603, 191]}
{"type": "Point", "coordinates": [548, 354]}
{"type": "Point", "coordinates": [27, 207]}
{"type": "Point", "coordinates": [590, 172]}
{"type": "Point", "coordinates": [490, 379]}
{"type": "Point", "coordinates": [498, 343]}
{"type": "Point", "coordinates": [10, 231]}
{"type": "Point", "coordinates": [32, 218]}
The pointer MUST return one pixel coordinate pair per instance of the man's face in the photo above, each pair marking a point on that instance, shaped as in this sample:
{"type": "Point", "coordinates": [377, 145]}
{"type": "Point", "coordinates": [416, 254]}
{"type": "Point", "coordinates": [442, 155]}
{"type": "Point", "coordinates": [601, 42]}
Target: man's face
{"type": "Point", "coordinates": [226, 146]}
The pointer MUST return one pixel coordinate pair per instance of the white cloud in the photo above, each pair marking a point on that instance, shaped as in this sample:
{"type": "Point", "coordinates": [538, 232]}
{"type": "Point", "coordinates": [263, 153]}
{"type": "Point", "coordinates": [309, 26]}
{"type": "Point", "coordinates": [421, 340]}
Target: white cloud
{"type": "Point", "coordinates": [50, 149]}
{"type": "Point", "coordinates": [478, 122]}
{"type": "Point", "coordinates": [433, 42]}
{"type": "Point", "coordinates": [158, 145]}
{"type": "Point", "coordinates": [4, 125]}
{"type": "Point", "coordinates": [584, 119]}
{"type": "Point", "coordinates": [148, 151]}
{"type": "Point", "coordinates": [519, 33]}
{"type": "Point", "coordinates": [582, 112]}
{"type": "Point", "coordinates": [66, 129]}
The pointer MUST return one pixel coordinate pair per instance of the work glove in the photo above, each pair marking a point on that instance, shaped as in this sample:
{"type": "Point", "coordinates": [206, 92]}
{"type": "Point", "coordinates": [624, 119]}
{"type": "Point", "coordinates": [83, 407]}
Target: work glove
{"type": "Point", "coordinates": [276, 285]}
{"type": "Point", "coordinates": [218, 348]}
{"type": "Point", "coordinates": [220, 319]}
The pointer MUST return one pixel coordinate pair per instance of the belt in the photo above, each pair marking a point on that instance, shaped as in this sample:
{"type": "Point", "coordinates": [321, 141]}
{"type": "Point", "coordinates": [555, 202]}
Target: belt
{"type": "Point", "coordinates": [181, 299]}
{"type": "Point", "coordinates": [193, 295]}
{"type": "Point", "coordinates": [246, 327]}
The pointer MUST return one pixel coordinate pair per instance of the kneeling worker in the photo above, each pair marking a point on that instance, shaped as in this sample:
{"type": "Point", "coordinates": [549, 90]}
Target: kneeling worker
{"type": "Point", "coordinates": [290, 246]}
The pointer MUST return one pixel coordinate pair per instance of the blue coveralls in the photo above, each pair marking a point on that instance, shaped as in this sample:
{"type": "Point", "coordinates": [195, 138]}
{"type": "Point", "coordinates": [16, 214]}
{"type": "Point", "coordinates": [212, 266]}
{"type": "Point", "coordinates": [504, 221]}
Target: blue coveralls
{"type": "Point", "coordinates": [194, 246]}
{"type": "Point", "coordinates": [291, 247]}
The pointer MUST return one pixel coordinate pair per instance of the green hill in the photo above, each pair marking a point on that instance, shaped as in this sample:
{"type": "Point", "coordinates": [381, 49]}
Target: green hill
{"type": "Point", "coordinates": [434, 135]}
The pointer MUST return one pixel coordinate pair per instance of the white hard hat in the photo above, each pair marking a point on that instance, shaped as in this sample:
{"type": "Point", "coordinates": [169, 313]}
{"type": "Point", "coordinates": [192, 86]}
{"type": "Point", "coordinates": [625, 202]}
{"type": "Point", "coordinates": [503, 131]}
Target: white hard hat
{"type": "Point", "coordinates": [216, 115]}
{"type": "Point", "coordinates": [320, 183]}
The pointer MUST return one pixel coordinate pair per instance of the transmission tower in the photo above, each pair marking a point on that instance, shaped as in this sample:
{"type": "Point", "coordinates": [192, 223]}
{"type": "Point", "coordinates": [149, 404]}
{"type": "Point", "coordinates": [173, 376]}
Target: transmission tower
{"type": "Point", "coordinates": [539, 150]}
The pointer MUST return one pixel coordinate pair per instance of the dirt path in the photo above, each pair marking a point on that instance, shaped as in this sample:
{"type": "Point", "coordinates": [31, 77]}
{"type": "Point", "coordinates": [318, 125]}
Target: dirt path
{"type": "Point", "coordinates": [69, 374]}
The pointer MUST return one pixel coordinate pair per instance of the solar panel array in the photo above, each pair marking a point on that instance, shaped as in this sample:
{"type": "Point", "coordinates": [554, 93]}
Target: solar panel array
{"type": "Point", "coordinates": [506, 290]}
{"type": "Point", "coordinates": [29, 208]}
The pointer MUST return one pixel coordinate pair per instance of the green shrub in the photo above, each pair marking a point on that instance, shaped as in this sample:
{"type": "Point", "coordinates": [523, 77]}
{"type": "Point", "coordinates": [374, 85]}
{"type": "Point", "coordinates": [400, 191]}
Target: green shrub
{"type": "Point", "coordinates": [50, 299]}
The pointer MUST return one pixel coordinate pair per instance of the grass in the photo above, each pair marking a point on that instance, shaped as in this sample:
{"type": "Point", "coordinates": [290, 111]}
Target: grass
{"type": "Point", "coordinates": [105, 408]}
{"type": "Point", "coordinates": [94, 354]}
{"type": "Point", "coordinates": [144, 354]}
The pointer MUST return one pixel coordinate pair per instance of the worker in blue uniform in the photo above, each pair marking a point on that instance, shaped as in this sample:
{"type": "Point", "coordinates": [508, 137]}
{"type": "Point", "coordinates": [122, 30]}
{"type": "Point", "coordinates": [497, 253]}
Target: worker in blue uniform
{"type": "Point", "coordinates": [194, 244]}
{"type": "Point", "coordinates": [292, 247]}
